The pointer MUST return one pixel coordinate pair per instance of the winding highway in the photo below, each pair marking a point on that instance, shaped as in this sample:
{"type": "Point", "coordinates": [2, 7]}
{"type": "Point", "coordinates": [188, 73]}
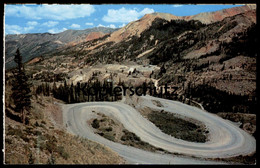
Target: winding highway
{"type": "Point", "coordinates": [225, 138]}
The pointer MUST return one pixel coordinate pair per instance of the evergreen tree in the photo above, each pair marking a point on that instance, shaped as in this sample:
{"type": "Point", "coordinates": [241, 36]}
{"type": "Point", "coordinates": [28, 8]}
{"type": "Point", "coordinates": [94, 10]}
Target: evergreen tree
{"type": "Point", "coordinates": [72, 93]}
{"type": "Point", "coordinates": [21, 92]}
{"type": "Point", "coordinates": [54, 89]}
{"type": "Point", "coordinates": [47, 89]}
{"type": "Point", "coordinates": [162, 70]}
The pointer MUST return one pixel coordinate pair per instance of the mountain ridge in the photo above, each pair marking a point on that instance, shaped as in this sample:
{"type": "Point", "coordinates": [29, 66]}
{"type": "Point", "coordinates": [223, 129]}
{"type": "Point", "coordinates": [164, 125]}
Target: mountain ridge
{"type": "Point", "coordinates": [189, 45]}
{"type": "Point", "coordinates": [74, 37]}
{"type": "Point", "coordinates": [137, 27]}
{"type": "Point", "coordinates": [37, 44]}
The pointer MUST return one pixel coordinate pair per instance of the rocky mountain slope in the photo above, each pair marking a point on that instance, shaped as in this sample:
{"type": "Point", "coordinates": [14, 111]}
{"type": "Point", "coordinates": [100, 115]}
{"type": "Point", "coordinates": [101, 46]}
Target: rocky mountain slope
{"type": "Point", "coordinates": [218, 55]}
{"type": "Point", "coordinates": [211, 17]}
{"type": "Point", "coordinates": [221, 54]}
{"type": "Point", "coordinates": [137, 27]}
{"type": "Point", "coordinates": [38, 44]}
{"type": "Point", "coordinates": [33, 45]}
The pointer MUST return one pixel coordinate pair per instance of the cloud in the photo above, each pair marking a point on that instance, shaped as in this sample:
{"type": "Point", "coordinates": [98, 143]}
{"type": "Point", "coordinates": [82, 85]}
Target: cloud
{"type": "Point", "coordinates": [54, 12]}
{"type": "Point", "coordinates": [56, 30]}
{"type": "Point", "coordinates": [100, 25]}
{"type": "Point", "coordinates": [50, 23]}
{"type": "Point", "coordinates": [176, 6]}
{"type": "Point", "coordinates": [15, 29]}
{"type": "Point", "coordinates": [27, 29]}
{"type": "Point", "coordinates": [110, 26]}
{"type": "Point", "coordinates": [32, 23]}
{"type": "Point", "coordinates": [89, 24]}
{"type": "Point", "coordinates": [75, 26]}
{"type": "Point", "coordinates": [124, 15]}
{"type": "Point", "coordinates": [123, 25]}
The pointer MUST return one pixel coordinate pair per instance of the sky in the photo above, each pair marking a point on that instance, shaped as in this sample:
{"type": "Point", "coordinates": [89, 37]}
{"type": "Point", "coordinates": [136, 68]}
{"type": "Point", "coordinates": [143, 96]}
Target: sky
{"type": "Point", "coordinates": [32, 18]}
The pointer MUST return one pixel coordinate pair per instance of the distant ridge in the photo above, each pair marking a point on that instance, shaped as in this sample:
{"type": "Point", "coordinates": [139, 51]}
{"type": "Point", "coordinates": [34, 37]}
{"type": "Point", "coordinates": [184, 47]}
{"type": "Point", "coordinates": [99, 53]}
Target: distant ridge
{"type": "Point", "coordinates": [37, 44]}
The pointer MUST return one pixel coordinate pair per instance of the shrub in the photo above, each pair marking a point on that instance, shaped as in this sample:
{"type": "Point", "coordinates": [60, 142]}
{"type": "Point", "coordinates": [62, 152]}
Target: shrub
{"type": "Point", "coordinates": [51, 160]}
{"type": "Point", "coordinates": [95, 124]}
{"type": "Point", "coordinates": [109, 137]}
{"type": "Point", "coordinates": [109, 129]}
{"type": "Point", "coordinates": [31, 159]}
{"type": "Point", "coordinates": [61, 151]}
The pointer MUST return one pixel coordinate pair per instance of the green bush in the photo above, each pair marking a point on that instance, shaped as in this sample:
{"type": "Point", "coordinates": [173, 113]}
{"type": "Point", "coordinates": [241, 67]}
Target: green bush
{"type": "Point", "coordinates": [177, 127]}
{"type": "Point", "coordinates": [109, 137]}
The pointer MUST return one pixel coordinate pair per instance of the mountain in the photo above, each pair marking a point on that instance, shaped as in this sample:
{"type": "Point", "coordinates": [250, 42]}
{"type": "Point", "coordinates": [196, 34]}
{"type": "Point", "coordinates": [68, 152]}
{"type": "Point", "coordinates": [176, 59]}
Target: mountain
{"type": "Point", "coordinates": [211, 17]}
{"type": "Point", "coordinates": [38, 44]}
{"type": "Point", "coordinates": [205, 49]}
{"type": "Point", "coordinates": [197, 50]}
{"type": "Point", "coordinates": [135, 28]}
{"type": "Point", "coordinates": [154, 31]}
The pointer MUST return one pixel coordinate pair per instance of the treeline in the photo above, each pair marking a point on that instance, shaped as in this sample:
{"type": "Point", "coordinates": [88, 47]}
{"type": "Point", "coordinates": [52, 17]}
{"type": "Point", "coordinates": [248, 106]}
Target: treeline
{"type": "Point", "coordinates": [163, 30]}
{"type": "Point", "coordinates": [244, 43]}
{"type": "Point", "coordinates": [81, 92]}
{"type": "Point", "coordinates": [175, 37]}
{"type": "Point", "coordinates": [214, 100]}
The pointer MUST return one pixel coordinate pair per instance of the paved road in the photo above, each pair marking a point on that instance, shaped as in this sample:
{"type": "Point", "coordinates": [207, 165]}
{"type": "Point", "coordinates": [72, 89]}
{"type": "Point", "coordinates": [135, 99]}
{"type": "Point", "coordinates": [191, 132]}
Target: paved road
{"type": "Point", "coordinates": [225, 139]}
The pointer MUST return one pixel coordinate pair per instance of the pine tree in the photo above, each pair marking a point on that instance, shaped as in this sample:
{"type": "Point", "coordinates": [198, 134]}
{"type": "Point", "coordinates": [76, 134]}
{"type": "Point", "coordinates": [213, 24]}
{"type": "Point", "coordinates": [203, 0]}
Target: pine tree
{"type": "Point", "coordinates": [21, 92]}
{"type": "Point", "coordinates": [47, 87]}
{"type": "Point", "coordinates": [72, 93]}
{"type": "Point", "coordinates": [54, 89]}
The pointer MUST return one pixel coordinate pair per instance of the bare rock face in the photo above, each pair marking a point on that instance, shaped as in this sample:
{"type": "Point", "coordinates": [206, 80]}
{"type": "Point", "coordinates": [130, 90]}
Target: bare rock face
{"type": "Point", "coordinates": [94, 35]}
{"type": "Point", "coordinates": [135, 28]}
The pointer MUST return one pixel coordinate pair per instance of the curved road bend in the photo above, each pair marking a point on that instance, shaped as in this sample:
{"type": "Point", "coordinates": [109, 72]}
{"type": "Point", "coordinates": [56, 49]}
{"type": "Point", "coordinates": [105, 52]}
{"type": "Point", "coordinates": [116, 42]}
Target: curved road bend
{"type": "Point", "coordinates": [225, 139]}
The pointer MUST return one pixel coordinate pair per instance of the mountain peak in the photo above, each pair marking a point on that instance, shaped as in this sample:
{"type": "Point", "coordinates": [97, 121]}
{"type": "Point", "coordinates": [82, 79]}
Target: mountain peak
{"type": "Point", "coordinates": [166, 16]}
{"type": "Point", "coordinates": [138, 26]}
{"type": "Point", "coordinates": [210, 17]}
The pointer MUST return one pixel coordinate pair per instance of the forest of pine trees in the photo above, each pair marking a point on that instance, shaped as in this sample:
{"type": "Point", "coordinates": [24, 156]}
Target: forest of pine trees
{"type": "Point", "coordinates": [81, 92]}
{"type": "Point", "coordinates": [213, 100]}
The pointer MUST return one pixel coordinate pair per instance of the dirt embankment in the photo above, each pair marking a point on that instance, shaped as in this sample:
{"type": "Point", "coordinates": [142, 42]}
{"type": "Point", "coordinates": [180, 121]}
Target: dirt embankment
{"type": "Point", "coordinates": [247, 122]}
{"type": "Point", "coordinates": [44, 141]}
